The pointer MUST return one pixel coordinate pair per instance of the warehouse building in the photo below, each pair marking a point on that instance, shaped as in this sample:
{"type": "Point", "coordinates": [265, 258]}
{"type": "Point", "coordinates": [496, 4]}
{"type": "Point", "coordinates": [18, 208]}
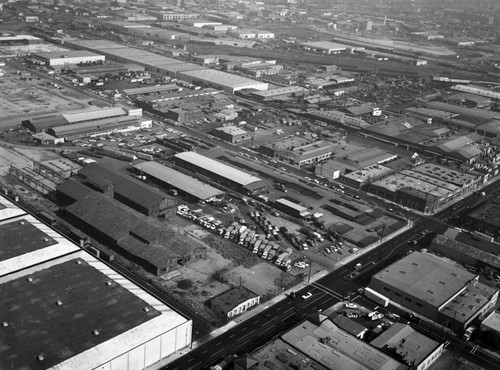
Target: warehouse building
{"type": "Point", "coordinates": [220, 172]}
{"type": "Point", "coordinates": [173, 179]}
{"type": "Point", "coordinates": [464, 251]}
{"type": "Point", "coordinates": [142, 240]}
{"type": "Point", "coordinates": [466, 181]}
{"type": "Point", "coordinates": [298, 151]}
{"type": "Point", "coordinates": [228, 82]}
{"type": "Point", "coordinates": [409, 346]}
{"type": "Point", "coordinates": [42, 123]}
{"type": "Point", "coordinates": [279, 93]}
{"type": "Point", "coordinates": [231, 134]}
{"type": "Point", "coordinates": [98, 127]}
{"type": "Point", "coordinates": [291, 208]}
{"type": "Point", "coordinates": [45, 278]}
{"type": "Point", "coordinates": [234, 302]}
{"type": "Point", "coordinates": [174, 68]}
{"type": "Point", "coordinates": [353, 161]}
{"type": "Point", "coordinates": [437, 289]}
{"type": "Point", "coordinates": [67, 57]}
{"type": "Point", "coordinates": [325, 47]}
{"type": "Point", "coordinates": [414, 191]}
{"type": "Point", "coordinates": [365, 176]}
{"type": "Point", "coordinates": [485, 219]}
{"type": "Point", "coordinates": [139, 196]}
{"type": "Point", "coordinates": [20, 40]}
{"type": "Point", "coordinates": [334, 348]}
{"type": "Point", "coordinates": [152, 90]}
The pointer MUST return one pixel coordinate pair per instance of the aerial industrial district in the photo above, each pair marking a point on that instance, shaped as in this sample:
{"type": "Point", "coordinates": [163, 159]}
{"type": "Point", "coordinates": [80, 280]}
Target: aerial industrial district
{"type": "Point", "coordinates": [249, 185]}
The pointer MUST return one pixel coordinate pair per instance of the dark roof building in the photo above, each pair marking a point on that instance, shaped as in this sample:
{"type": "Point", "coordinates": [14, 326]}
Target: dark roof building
{"type": "Point", "coordinates": [462, 251]}
{"type": "Point", "coordinates": [64, 309]}
{"type": "Point", "coordinates": [348, 325]}
{"type": "Point", "coordinates": [486, 219]}
{"type": "Point", "coordinates": [409, 346]}
{"type": "Point", "coordinates": [136, 237]}
{"type": "Point", "coordinates": [135, 194]}
{"type": "Point", "coordinates": [234, 301]}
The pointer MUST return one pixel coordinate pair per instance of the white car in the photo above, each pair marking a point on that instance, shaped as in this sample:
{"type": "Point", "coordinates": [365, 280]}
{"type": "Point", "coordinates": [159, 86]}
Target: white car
{"type": "Point", "coordinates": [307, 295]}
{"type": "Point", "coordinates": [349, 305]}
{"type": "Point", "coordinates": [358, 265]}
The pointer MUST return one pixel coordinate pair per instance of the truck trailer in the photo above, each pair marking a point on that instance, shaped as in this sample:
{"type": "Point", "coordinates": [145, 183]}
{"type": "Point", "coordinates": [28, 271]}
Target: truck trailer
{"type": "Point", "coordinates": [376, 297]}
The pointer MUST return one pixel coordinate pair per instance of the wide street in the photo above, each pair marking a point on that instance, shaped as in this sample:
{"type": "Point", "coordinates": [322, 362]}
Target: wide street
{"type": "Point", "coordinates": [341, 284]}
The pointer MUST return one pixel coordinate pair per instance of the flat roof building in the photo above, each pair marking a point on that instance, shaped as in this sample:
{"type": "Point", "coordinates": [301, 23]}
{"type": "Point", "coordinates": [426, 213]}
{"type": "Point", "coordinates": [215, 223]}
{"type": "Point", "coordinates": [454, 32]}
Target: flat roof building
{"type": "Point", "coordinates": [178, 180]}
{"type": "Point", "coordinates": [491, 322]}
{"type": "Point", "coordinates": [231, 134]}
{"type": "Point", "coordinates": [228, 82]}
{"type": "Point", "coordinates": [336, 349]}
{"type": "Point", "coordinates": [291, 208]}
{"type": "Point", "coordinates": [104, 320]}
{"type": "Point", "coordinates": [486, 219]}
{"type": "Point", "coordinates": [62, 58]}
{"type": "Point", "coordinates": [466, 181]}
{"type": "Point", "coordinates": [234, 302]}
{"type": "Point", "coordinates": [298, 151]}
{"type": "Point", "coordinates": [391, 187]}
{"type": "Point", "coordinates": [326, 47]}
{"type": "Point", "coordinates": [366, 175]}
{"type": "Point", "coordinates": [437, 289]}
{"type": "Point", "coordinates": [409, 346]}
{"type": "Point", "coordinates": [220, 171]}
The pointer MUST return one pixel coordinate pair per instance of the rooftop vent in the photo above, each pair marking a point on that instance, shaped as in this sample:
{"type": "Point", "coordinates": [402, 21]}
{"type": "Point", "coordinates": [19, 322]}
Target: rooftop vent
{"type": "Point", "coordinates": [5, 324]}
{"type": "Point", "coordinates": [95, 332]}
{"type": "Point", "coordinates": [146, 309]}
{"type": "Point", "coordinates": [22, 222]}
{"type": "Point", "coordinates": [109, 283]}
{"type": "Point", "coordinates": [59, 303]}
{"type": "Point", "coordinates": [78, 262]}
{"type": "Point", "coordinates": [30, 279]}
{"type": "Point", "coordinates": [45, 240]}
{"type": "Point", "coordinates": [40, 357]}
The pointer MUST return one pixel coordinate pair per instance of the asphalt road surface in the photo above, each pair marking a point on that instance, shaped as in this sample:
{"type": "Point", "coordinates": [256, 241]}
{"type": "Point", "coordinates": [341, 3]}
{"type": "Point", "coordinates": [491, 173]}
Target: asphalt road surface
{"type": "Point", "coordinates": [341, 284]}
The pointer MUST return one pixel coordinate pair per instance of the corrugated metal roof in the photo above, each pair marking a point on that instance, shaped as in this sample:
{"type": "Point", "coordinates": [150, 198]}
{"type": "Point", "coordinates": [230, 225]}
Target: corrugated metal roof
{"type": "Point", "coordinates": [178, 180]}
{"type": "Point", "coordinates": [218, 168]}
{"type": "Point", "coordinates": [134, 191]}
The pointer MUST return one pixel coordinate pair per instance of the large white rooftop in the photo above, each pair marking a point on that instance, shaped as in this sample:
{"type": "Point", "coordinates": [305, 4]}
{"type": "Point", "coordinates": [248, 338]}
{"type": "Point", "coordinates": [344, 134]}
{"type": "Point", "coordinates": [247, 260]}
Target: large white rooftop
{"type": "Point", "coordinates": [218, 168]}
{"type": "Point", "coordinates": [178, 180]}
{"type": "Point", "coordinates": [225, 79]}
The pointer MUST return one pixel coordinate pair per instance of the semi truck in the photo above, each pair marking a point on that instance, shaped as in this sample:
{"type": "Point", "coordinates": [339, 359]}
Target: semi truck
{"type": "Point", "coordinates": [256, 246]}
{"type": "Point", "coordinates": [228, 232]}
{"type": "Point", "coordinates": [376, 297]}
{"type": "Point", "coordinates": [266, 251]}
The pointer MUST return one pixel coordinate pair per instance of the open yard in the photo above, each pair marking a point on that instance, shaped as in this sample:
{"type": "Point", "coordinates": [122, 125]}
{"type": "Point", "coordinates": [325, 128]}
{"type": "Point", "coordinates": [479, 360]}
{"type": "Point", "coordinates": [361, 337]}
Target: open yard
{"type": "Point", "coordinates": [23, 98]}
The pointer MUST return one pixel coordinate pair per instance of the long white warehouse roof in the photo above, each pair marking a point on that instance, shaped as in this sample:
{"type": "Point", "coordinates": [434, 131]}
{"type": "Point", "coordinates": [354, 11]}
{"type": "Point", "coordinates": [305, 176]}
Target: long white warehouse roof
{"type": "Point", "coordinates": [179, 180]}
{"type": "Point", "coordinates": [218, 168]}
{"type": "Point", "coordinates": [224, 79]}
